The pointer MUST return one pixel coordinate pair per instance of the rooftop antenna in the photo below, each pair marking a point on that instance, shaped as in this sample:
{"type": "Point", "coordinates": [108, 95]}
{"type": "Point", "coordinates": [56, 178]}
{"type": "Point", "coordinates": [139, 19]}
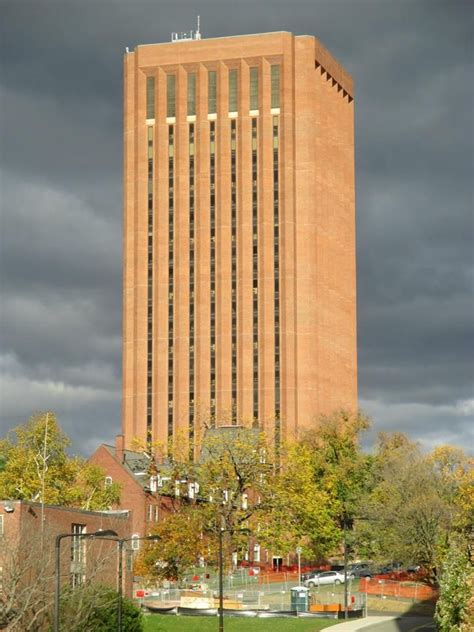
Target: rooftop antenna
{"type": "Point", "coordinates": [184, 37]}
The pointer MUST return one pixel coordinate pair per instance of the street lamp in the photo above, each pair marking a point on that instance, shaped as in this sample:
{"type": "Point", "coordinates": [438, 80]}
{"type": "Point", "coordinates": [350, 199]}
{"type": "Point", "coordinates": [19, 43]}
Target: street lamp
{"type": "Point", "coordinates": [221, 572]}
{"type": "Point", "coordinates": [299, 550]}
{"type": "Point", "coordinates": [96, 534]}
{"type": "Point", "coordinates": [120, 572]}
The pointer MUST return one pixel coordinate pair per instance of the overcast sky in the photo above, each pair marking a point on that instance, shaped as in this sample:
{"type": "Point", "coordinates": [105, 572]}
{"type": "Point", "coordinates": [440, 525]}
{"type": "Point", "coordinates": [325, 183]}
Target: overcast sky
{"type": "Point", "coordinates": [61, 200]}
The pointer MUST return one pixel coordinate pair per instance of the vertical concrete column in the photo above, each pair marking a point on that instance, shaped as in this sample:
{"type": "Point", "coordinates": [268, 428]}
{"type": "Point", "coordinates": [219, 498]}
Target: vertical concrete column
{"type": "Point", "coordinates": [266, 256]}
{"type": "Point", "coordinates": [223, 251]}
{"type": "Point", "coordinates": [129, 233]}
{"type": "Point", "coordinates": [161, 255]}
{"type": "Point", "coordinates": [244, 249]}
{"type": "Point", "coordinates": [288, 254]}
{"type": "Point", "coordinates": [141, 256]}
{"type": "Point", "coordinates": [202, 232]}
{"type": "Point", "coordinates": [181, 282]}
{"type": "Point", "coordinates": [307, 313]}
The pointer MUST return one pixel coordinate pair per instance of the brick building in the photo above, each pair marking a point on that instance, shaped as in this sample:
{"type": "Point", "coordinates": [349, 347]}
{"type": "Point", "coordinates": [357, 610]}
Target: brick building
{"type": "Point", "coordinates": [239, 237]}
{"type": "Point", "coordinates": [27, 545]}
{"type": "Point", "coordinates": [132, 470]}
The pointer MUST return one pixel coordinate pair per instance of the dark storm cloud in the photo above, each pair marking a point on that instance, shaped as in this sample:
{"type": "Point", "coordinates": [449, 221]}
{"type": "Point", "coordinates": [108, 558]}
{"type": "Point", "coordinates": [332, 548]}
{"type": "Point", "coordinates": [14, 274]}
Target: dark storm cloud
{"type": "Point", "coordinates": [61, 160]}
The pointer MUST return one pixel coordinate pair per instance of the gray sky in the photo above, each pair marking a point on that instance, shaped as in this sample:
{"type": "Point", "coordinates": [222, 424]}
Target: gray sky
{"type": "Point", "coordinates": [61, 200]}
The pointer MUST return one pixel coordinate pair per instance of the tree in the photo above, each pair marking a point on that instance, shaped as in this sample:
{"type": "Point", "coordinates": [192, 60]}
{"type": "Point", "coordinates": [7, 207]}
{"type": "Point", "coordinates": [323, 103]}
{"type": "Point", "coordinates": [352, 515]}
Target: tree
{"type": "Point", "coordinates": [319, 486]}
{"type": "Point", "coordinates": [415, 502]}
{"type": "Point", "coordinates": [231, 485]}
{"type": "Point", "coordinates": [37, 467]}
{"type": "Point", "coordinates": [184, 538]}
{"type": "Point", "coordinates": [26, 595]}
{"type": "Point", "coordinates": [456, 584]}
{"type": "Point", "coordinates": [301, 513]}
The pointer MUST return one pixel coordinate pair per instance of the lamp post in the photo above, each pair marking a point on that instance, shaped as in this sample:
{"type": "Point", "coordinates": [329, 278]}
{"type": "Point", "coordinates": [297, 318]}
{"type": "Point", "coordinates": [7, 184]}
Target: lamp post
{"type": "Point", "coordinates": [346, 614]}
{"type": "Point", "coordinates": [221, 582]}
{"type": "Point", "coordinates": [96, 534]}
{"type": "Point", "coordinates": [120, 573]}
{"type": "Point", "coordinates": [299, 550]}
{"type": "Point", "coordinates": [221, 572]}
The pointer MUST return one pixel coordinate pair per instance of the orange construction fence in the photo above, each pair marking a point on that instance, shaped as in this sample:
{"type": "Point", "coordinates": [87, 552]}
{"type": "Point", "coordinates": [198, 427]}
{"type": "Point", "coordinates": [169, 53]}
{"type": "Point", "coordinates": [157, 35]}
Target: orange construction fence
{"type": "Point", "coordinates": [404, 590]}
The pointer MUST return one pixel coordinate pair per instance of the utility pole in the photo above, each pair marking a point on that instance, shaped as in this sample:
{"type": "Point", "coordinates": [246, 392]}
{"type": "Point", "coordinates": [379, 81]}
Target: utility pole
{"type": "Point", "coordinates": [346, 614]}
{"type": "Point", "coordinates": [221, 581]}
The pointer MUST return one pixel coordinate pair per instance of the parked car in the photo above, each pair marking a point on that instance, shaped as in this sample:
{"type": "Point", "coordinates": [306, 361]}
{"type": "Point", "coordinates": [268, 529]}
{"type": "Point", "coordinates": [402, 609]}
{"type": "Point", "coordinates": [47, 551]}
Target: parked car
{"type": "Point", "coordinates": [415, 568]}
{"type": "Point", "coordinates": [309, 575]}
{"type": "Point", "coordinates": [361, 569]}
{"type": "Point", "coordinates": [390, 568]}
{"type": "Point", "coordinates": [326, 577]}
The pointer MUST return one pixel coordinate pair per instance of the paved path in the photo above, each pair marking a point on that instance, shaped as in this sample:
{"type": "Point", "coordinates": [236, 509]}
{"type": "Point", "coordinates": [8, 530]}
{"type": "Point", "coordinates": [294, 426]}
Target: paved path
{"type": "Point", "coordinates": [387, 624]}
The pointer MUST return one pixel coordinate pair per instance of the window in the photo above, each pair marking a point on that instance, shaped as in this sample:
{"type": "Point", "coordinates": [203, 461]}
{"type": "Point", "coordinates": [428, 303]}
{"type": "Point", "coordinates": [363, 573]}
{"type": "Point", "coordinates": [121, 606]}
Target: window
{"type": "Point", "coordinates": [135, 542]}
{"type": "Point", "coordinates": [192, 94]}
{"type": "Point", "coordinates": [77, 543]}
{"type": "Point", "coordinates": [275, 79]}
{"type": "Point", "coordinates": [78, 555]}
{"type": "Point", "coordinates": [254, 88]}
{"type": "Point", "coordinates": [108, 481]}
{"type": "Point", "coordinates": [233, 107]}
{"type": "Point", "coordinates": [212, 92]}
{"type": "Point", "coordinates": [157, 513]}
{"type": "Point", "coordinates": [171, 96]}
{"type": "Point", "coordinates": [256, 553]}
{"type": "Point", "coordinates": [150, 97]}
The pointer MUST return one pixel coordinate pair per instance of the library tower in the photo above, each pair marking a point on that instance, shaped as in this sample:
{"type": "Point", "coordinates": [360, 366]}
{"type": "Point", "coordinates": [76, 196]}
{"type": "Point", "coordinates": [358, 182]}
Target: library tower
{"type": "Point", "coordinates": [239, 237]}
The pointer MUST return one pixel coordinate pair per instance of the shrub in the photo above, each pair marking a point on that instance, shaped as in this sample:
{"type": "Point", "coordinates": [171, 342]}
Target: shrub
{"type": "Point", "coordinates": [455, 588]}
{"type": "Point", "coordinates": [94, 609]}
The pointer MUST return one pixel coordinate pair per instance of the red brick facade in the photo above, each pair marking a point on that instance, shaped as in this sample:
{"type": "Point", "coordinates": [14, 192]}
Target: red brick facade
{"type": "Point", "coordinates": [305, 283]}
{"type": "Point", "coordinates": [146, 507]}
{"type": "Point", "coordinates": [21, 530]}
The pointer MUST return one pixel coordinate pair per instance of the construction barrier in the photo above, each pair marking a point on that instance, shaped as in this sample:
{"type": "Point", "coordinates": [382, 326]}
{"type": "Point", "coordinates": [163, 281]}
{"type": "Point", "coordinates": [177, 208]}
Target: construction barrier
{"type": "Point", "coordinates": [401, 590]}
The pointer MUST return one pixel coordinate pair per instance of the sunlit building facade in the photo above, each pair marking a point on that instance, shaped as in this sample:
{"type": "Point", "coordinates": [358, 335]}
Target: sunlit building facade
{"type": "Point", "coordinates": [239, 237]}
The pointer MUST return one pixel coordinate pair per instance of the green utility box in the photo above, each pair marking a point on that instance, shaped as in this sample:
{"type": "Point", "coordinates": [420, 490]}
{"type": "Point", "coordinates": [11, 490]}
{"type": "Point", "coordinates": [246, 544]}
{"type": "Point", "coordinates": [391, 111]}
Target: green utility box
{"type": "Point", "coordinates": [300, 599]}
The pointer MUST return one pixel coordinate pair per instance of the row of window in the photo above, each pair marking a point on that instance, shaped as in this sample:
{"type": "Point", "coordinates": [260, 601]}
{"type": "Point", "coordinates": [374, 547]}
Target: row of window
{"type": "Point", "coordinates": [233, 146]}
{"type": "Point", "coordinates": [170, 276]}
{"type": "Point", "coordinates": [233, 91]}
{"type": "Point", "coordinates": [191, 280]}
{"type": "Point", "coordinates": [149, 385]}
{"type": "Point", "coordinates": [276, 268]}
{"type": "Point", "coordinates": [255, 269]}
{"type": "Point", "coordinates": [212, 288]}
{"type": "Point", "coordinates": [233, 213]}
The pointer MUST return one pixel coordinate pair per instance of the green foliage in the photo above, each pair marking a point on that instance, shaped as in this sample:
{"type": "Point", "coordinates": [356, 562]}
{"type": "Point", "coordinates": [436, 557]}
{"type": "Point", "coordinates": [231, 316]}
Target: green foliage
{"type": "Point", "coordinates": [183, 539]}
{"type": "Point", "coordinates": [301, 512]}
{"type": "Point", "coordinates": [234, 481]}
{"type": "Point", "coordinates": [93, 608]}
{"type": "Point", "coordinates": [319, 487]}
{"type": "Point", "coordinates": [37, 467]}
{"type": "Point", "coordinates": [456, 584]}
{"type": "Point", "coordinates": [415, 502]}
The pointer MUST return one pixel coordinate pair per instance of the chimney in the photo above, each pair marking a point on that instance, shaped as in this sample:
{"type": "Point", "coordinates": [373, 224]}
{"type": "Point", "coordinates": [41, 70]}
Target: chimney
{"type": "Point", "coordinates": [120, 448]}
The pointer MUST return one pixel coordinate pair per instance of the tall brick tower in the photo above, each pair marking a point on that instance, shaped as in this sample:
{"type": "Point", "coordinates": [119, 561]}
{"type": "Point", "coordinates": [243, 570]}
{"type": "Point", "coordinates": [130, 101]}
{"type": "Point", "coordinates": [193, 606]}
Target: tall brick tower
{"type": "Point", "coordinates": [239, 236]}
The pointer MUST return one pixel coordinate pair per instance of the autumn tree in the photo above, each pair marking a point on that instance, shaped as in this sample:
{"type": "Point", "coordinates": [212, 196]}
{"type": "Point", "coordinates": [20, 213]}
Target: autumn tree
{"type": "Point", "coordinates": [417, 500]}
{"type": "Point", "coordinates": [36, 466]}
{"type": "Point", "coordinates": [26, 595]}
{"type": "Point", "coordinates": [319, 487]}
{"type": "Point", "coordinates": [231, 483]}
{"type": "Point", "coordinates": [455, 607]}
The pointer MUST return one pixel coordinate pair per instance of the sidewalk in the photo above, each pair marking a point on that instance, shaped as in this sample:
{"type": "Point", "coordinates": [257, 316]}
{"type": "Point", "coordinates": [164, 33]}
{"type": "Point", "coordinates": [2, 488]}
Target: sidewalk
{"type": "Point", "coordinates": [359, 624]}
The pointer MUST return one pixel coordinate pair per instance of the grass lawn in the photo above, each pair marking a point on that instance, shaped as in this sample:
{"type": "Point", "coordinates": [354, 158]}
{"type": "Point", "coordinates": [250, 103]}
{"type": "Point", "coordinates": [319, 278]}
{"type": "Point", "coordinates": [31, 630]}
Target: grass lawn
{"type": "Point", "coordinates": [172, 623]}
